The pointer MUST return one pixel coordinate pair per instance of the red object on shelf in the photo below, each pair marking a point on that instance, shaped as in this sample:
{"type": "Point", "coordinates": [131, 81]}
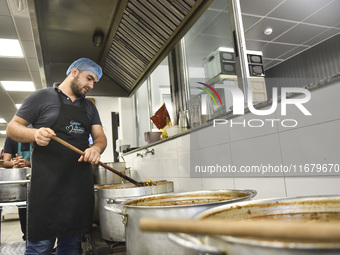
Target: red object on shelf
{"type": "Point", "coordinates": [161, 118]}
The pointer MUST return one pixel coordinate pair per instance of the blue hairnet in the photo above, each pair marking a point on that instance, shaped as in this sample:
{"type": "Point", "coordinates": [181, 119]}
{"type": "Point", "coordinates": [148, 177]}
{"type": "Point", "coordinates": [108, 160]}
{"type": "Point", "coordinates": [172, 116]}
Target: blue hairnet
{"type": "Point", "coordinates": [86, 64]}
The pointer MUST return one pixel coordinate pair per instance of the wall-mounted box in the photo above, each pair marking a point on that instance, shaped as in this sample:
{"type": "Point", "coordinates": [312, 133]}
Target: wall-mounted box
{"type": "Point", "coordinates": [222, 61]}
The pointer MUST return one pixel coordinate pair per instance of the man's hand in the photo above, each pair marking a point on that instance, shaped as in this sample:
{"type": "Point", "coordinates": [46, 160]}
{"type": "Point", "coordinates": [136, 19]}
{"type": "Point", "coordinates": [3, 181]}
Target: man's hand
{"type": "Point", "coordinates": [43, 136]}
{"type": "Point", "coordinates": [91, 155]}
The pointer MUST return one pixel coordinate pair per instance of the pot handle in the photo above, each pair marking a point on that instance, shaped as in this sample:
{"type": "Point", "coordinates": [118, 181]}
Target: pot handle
{"type": "Point", "coordinates": [252, 192]}
{"type": "Point", "coordinates": [120, 200]}
{"type": "Point", "coordinates": [193, 243]}
{"type": "Point", "coordinates": [115, 210]}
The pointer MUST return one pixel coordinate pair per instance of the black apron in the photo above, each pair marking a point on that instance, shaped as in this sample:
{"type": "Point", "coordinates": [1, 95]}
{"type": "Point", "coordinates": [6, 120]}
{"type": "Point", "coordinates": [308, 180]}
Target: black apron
{"type": "Point", "coordinates": [61, 197]}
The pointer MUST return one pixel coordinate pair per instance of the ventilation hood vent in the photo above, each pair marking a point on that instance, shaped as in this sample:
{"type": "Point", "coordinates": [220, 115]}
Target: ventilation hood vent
{"type": "Point", "coordinates": [133, 37]}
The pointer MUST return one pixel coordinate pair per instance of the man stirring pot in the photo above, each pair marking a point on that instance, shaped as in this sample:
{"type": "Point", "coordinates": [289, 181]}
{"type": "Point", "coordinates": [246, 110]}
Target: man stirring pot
{"type": "Point", "coordinates": [61, 197]}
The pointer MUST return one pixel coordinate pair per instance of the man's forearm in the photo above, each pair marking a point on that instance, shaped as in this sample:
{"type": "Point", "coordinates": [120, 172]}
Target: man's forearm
{"type": "Point", "coordinates": [19, 132]}
{"type": "Point", "coordinates": [100, 143]}
{"type": "Point", "coordinates": [8, 164]}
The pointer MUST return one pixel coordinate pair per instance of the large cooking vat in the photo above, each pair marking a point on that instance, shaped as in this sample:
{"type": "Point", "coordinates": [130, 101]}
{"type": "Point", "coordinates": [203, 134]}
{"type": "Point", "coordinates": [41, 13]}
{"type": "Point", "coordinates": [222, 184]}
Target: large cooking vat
{"type": "Point", "coordinates": [103, 176]}
{"type": "Point", "coordinates": [175, 205]}
{"type": "Point", "coordinates": [316, 208]}
{"type": "Point", "coordinates": [13, 192]}
{"type": "Point", "coordinates": [111, 225]}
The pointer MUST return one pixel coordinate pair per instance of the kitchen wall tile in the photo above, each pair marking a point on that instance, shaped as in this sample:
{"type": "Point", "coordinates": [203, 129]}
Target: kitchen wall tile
{"type": "Point", "coordinates": [195, 160]}
{"type": "Point", "coordinates": [184, 164]}
{"type": "Point", "coordinates": [183, 143]}
{"type": "Point", "coordinates": [129, 159]}
{"type": "Point", "coordinates": [209, 136]}
{"type": "Point", "coordinates": [266, 187]}
{"type": "Point", "coordinates": [194, 139]}
{"type": "Point", "coordinates": [218, 183]}
{"type": "Point", "coordinates": [323, 106]}
{"type": "Point", "coordinates": [215, 158]}
{"type": "Point", "coordinates": [317, 144]}
{"type": "Point", "coordinates": [312, 186]}
{"type": "Point", "coordinates": [166, 148]}
{"type": "Point", "coordinates": [251, 125]}
{"type": "Point", "coordinates": [170, 166]}
{"type": "Point", "coordinates": [190, 184]}
{"type": "Point", "coordinates": [151, 169]}
{"type": "Point", "coordinates": [257, 153]}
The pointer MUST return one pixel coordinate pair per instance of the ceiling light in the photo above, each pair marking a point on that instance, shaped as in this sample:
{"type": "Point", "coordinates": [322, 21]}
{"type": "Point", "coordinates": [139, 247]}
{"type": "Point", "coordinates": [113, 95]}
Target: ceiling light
{"type": "Point", "coordinates": [18, 85]}
{"type": "Point", "coordinates": [98, 38]}
{"type": "Point", "coordinates": [2, 121]}
{"type": "Point", "coordinates": [10, 48]}
{"type": "Point", "coordinates": [18, 106]}
{"type": "Point", "coordinates": [268, 31]}
{"type": "Point", "coordinates": [2, 132]}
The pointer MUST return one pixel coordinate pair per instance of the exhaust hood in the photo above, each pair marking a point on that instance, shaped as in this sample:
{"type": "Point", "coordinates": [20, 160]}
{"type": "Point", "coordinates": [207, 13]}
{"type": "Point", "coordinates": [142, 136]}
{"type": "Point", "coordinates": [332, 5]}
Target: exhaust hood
{"type": "Point", "coordinates": [128, 38]}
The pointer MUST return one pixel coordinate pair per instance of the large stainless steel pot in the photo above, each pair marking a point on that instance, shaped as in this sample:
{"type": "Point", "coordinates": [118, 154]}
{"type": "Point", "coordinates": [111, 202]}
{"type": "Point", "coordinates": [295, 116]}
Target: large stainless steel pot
{"type": "Point", "coordinates": [301, 208]}
{"type": "Point", "coordinates": [13, 192]}
{"type": "Point", "coordinates": [104, 176]}
{"type": "Point", "coordinates": [175, 205]}
{"type": "Point", "coordinates": [111, 225]}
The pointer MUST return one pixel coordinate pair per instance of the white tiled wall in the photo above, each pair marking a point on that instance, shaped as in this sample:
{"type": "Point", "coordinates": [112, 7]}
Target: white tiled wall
{"type": "Point", "coordinates": [316, 139]}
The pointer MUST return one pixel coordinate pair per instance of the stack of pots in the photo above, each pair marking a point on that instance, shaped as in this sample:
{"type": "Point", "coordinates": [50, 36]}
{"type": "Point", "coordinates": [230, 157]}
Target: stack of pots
{"type": "Point", "coordinates": [112, 227]}
{"type": "Point", "coordinates": [174, 205]}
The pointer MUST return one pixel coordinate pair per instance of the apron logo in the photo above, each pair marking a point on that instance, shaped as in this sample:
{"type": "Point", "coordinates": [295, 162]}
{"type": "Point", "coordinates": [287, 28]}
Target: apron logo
{"type": "Point", "coordinates": [75, 127]}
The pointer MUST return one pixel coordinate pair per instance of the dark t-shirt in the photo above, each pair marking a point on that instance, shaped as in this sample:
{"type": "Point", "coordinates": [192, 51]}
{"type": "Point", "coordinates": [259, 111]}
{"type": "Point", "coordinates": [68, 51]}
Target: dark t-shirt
{"type": "Point", "coordinates": [42, 107]}
{"type": "Point", "coordinates": [11, 146]}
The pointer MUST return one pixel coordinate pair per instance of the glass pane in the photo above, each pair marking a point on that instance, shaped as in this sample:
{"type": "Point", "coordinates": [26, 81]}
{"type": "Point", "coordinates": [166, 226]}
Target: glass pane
{"type": "Point", "coordinates": [160, 89]}
{"type": "Point", "coordinates": [143, 118]}
{"type": "Point", "coordinates": [159, 93]}
{"type": "Point", "coordinates": [210, 63]}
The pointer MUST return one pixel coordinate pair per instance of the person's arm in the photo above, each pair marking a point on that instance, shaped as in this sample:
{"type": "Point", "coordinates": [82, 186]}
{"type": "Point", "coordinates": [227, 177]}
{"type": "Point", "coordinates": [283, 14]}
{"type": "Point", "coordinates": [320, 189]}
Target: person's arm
{"type": "Point", "coordinates": [17, 130]}
{"type": "Point", "coordinates": [8, 161]}
{"type": "Point", "coordinates": [16, 162]}
{"type": "Point", "coordinates": [92, 154]}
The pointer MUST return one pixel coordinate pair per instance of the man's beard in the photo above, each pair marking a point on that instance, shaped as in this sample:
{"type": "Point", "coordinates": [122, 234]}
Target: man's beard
{"type": "Point", "coordinates": [76, 87]}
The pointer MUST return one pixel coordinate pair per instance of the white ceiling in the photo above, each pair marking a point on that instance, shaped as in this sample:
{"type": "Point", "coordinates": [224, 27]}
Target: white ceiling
{"type": "Point", "coordinates": [297, 25]}
{"type": "Point", "coordinates": [15, 24]}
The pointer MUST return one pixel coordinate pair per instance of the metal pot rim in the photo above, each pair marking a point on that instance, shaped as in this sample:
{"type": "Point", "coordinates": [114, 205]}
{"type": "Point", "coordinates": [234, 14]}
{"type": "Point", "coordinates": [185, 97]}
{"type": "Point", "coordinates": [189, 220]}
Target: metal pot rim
{"type": "Point", "coordinates": [132, 191]}
{"type": "Point", "coordinates": [250, 194]}
{"type": "Point", "coordinates": [278, 244]}
{"type": "Point", "coordinates": [272, 244]}
{"type": "Point", "coordinates": [266, 201]}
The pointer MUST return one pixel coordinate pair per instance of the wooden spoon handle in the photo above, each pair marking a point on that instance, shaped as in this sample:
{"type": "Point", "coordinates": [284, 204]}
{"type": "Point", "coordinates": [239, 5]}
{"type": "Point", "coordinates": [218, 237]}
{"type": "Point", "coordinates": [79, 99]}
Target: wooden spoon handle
{"type": "Point", "coordinates": [314, 231]}
{"type": "Point", "coordinates": [70, 146]}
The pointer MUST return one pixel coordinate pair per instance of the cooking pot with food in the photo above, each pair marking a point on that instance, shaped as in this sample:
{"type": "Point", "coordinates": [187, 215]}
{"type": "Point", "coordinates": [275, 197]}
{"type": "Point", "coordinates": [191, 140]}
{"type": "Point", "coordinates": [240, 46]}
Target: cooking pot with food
{"type": "Point", "coordinates": [174, 205]}
{"type": "Point", "coordinates": [13, 192]}
{"type": "Point", "coordinates": [300, 209]}
{"type": "Point", "coordinates": [111, 225]}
